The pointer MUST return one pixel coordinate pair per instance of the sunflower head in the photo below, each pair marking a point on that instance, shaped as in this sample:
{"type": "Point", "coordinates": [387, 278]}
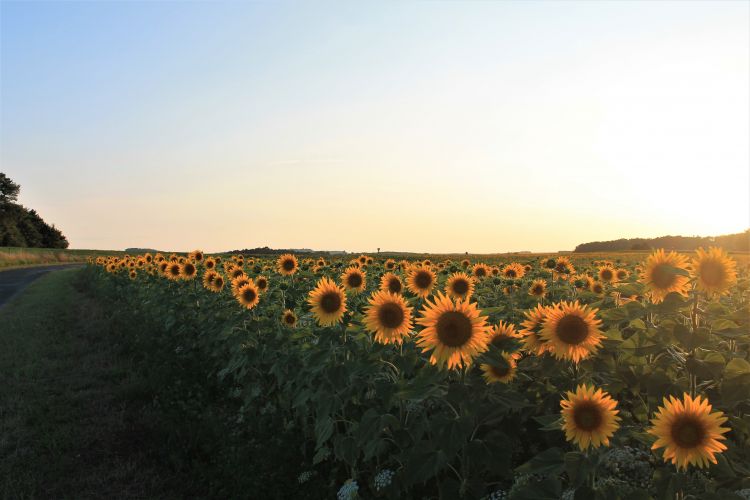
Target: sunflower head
{"type": "Point", "coordinates": [262, 283]}
{"type": "Point", "coordinates": [480, 270]}
{"type": "Point", "coordinates": [460, 286]}
{"type": "Point", "coordinates": [455, 332]}
{"type": "Point", "coordinates": [421, 281]}
{"type": "Point", "coordinates": [196, 256]}
{"type": "Point", "coordinates": [503, 371]}
{"type": "Point", "coordinates": [589, 417]}
{"type": "Point", "coordinates": [391, 283]}
{"type": "Point", "coordinates": [664, 273]}
{"type": "Point", "coordinates": [248, 295]}
{"type": "Point", "coordinates": [174, 270]}
{"type": "Point", "coordinates": [715, 272]}
{"type": "Point", "coordinates": [564, 266]}
{"type": "Point", "coordinates": [209, 263]}
{"type": "Point", "coordinates": [572, 331]}
{"type": "Point", "coordinates": [217, 284]}
{"type": "Point", "coordinates": [289, 319]}
{"type": "Point", "coordinates": [504, 337]}
{"type": "Point", "coordinates": [287, 264]}
{"type": "Point", "coordinates": [538, 288]}
{"type": "Point", "coordinates": [608, 274]}
{"type": "Point", "coordinates": [514, 270]}
{"type": "Point", "coordinates": [531, 329]}
{"type": "Point", "coordinates": [327, 302]}
{"type": "Point", "coordinates": [689, 431]}
{"type": "Point", "coordinates": [388, 317]}
{"type": "Point", "coordinates": [188, 270]}
{"type": "Point", "coordinates": [353, 280]}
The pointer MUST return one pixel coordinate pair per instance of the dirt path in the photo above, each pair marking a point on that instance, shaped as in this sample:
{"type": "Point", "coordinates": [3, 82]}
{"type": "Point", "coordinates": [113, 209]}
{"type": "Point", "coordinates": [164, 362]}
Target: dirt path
{"type": "Point", "coordinates": [15, 280]}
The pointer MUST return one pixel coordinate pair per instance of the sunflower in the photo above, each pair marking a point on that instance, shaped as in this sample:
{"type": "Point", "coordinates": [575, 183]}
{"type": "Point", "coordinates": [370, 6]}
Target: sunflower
{"type": "Point", "coordinates": [390, 264]}
{"type": "Point", "coordinates": [564, 266]}
{"type": "Point", "coordinates": [514, 270]}
{"type": "Point", "coordinates": [504, 336]}
{"type": "Point", "coordinates": [460, 286]}
{"type": "Point", "coordinates": [353, 280]}
{"type": "Point", "coordinates": [538, 288]}
{"type": "Point", "coordinates": [262, 283]}
{"type": "Point", "coordinates": [589, 417]}
{"type": "Point", "coordinates": [328, 302]}
{"type": "Point", "coordinates": [287, 264]}
{"type": "Point", "coordinates": [531, 330]}
{"type": "Point", "coordinates": [480, 270]}
{"type": "Point", "coordinates": [607, 274]}
{"type": "Point", "coordinates": [714, 270]}
{"type": "Point", "coordinates": [239, 282]}
{"type": "Point", "coordinates": [596, 287]}
{"type": "Point", "coordinates": [622, 274]}
{"type": "Point", "coordinates": [217, 284]}
{"type": "Point", "coordinates": [503, 372]}
{"type": "Point", "coordinates": [208, 278]}
{"type": "Point", "coordinates": [236, 272]}
{"type": "Point", "coordinates": [188, 270]}
{"type": "Point", "coordinates": [572, 331]}
{"type": "Point", "coordinates": [162, 267]}
{"type": "Point", "coordinates": [173, 271]}
{"type": "Point", "coordinates": [454, 331]}
{"type": "Point", "coordinates": [420, 281]}
{"type": "Point", "coordinates": [209, 263]}
{"type": "Point", "coordinates": [688, 431]}
{"type": "Point", "coordinates": [248, 295]}
{"type": "Point", "coordinates": [465, 263]}
{"type": "Point", "coordinates": [289, 319]}
{"type": "Point", "coordinates": [391, 283]}
{"type": "Point", "coordinates": [133, 273]}
{"type": "Point", "coordinates": [660, 277]}
{"type": "Point", "coordinates": [388, 317]}
{"type": "Point", "coordinates": [196, 256]}
{"type": "Point", "coordinates": [549, 263]}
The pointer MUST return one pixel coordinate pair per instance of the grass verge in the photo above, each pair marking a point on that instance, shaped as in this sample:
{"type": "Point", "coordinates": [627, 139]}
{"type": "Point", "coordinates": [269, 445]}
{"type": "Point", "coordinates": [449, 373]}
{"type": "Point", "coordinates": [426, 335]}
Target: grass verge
{"type": "Point", "coordinates": [71, 424]}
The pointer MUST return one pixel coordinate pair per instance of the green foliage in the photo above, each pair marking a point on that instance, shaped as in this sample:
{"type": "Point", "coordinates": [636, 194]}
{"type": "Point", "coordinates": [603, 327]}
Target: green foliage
{"type": "Point", "coordinates": [23, 227]}
{"type": "Point", "coordinates": [360, 407]}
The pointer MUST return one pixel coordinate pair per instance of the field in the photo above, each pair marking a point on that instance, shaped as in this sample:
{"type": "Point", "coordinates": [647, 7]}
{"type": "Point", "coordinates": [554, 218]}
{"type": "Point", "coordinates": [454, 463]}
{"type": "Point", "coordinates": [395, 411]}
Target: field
{"type": "Point", "coordinates": [620, 376]}
{"type": "Point", "coordinates": [21, 257]}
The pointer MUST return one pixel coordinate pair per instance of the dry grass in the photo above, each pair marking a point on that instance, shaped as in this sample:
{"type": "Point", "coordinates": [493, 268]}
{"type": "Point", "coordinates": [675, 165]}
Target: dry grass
{"type": "Point", "coordinates": [17, 257]}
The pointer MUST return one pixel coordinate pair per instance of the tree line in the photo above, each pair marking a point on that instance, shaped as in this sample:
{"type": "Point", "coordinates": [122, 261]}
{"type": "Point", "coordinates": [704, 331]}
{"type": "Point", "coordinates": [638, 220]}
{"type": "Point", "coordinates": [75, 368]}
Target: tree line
{"type": "Point", "coordinates": [738, 242]}
{"type": "Point", "coordinates": [21, 226]}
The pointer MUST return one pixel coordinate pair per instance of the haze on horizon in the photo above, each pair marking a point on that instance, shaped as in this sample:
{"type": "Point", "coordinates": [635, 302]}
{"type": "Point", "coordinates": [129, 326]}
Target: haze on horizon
{"type": "Point", "coordinates": [414, 126]}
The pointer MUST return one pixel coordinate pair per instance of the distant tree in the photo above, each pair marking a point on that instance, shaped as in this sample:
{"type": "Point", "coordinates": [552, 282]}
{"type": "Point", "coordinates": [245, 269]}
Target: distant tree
{"type": "Point", "coordinates": [8, 189]}
{"type": "Point", "coordinates": [23, 227]}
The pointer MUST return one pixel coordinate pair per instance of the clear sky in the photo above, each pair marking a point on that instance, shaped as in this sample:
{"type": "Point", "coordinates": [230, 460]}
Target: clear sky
{"type": "Point", "coordinates": [419, 126]}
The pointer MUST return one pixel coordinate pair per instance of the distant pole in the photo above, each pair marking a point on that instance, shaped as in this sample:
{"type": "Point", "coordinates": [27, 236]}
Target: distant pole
{"type": "Point", "coordinates": [378, 249]}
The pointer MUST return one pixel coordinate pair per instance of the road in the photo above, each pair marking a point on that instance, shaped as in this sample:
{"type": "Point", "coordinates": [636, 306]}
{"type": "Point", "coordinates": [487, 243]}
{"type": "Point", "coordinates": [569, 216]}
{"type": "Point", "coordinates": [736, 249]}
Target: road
{"type": "Point", "coordinates": [15, 280]}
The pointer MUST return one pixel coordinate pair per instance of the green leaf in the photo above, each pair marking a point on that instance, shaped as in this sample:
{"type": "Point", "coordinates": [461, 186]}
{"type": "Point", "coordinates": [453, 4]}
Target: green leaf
{"type": "Point", "coordinates": [736, 367]}
{"type": "Point", "coordinates": [323, 430]}
{"type": "Point", "coordinates": [548, 462]}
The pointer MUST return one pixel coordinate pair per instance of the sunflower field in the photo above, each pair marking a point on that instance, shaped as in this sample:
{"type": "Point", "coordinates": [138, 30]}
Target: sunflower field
{"type": "Point", "coordinates": [623, 376]}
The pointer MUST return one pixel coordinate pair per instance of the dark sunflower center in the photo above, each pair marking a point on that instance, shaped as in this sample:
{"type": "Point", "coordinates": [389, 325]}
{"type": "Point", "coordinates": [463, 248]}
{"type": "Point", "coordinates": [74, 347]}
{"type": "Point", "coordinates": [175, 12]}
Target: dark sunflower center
{"type": "Point", "coordinates": [262, 284]}
{"type": "Point", "coordinates": [537, 289]}
{"type": "Point", "coordinates": [249, 295]}
{"type": "Point", "coordinates": [606, 274]}
{"type": "Point", "coordinates": [330, 302]}
{"type": "Point", "coordinates": [460, 287]}
{"type": "Point", "coordinates": [189, 269]}
{"type": "Point", "coordinates": [480, 271]}
{"type": "Point", "coordinates": [454, 329]}
{"type": "Point", "coordinates": [423, 280]}
{"type": "Point", "coordinates": [597, 288]}
{"type": "Point", "coordinates": [712, 273]}
{"type": "Point", "coordinates": [550, 264]}
{"type": "Point", "coordinates": [391, 315]}
{"type": "Point", "coordinates": [621, 274]}
{"type": "Point", "coordinates": [288, 265]}
{"type": "Point", "coordinates": [510, 273]}
{"type": "Point", "coordinates": [662, 276]}
{"type": "Point", "coordinates": [688, 432]}
{"type": "Point", "coordinates": [394, 286]}
{"type": "Point", "coordinates": [175, 270]}
{"type": "Point", "coordinates": [219, 281]}
{"type": "Point", "coordinates": [289, 319]}
{"type": "Point", "coordinates": [354, 280]}
{"type": "Point", "coordinates": [572, 329]}
{"type": "Point", "coordinates": [587, 416]}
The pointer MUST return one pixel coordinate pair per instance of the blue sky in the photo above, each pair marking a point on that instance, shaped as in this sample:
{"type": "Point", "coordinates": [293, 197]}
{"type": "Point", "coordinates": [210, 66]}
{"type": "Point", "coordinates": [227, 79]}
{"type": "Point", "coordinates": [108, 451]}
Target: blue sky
{"type": "Point", "coordinates": [424, 126]}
